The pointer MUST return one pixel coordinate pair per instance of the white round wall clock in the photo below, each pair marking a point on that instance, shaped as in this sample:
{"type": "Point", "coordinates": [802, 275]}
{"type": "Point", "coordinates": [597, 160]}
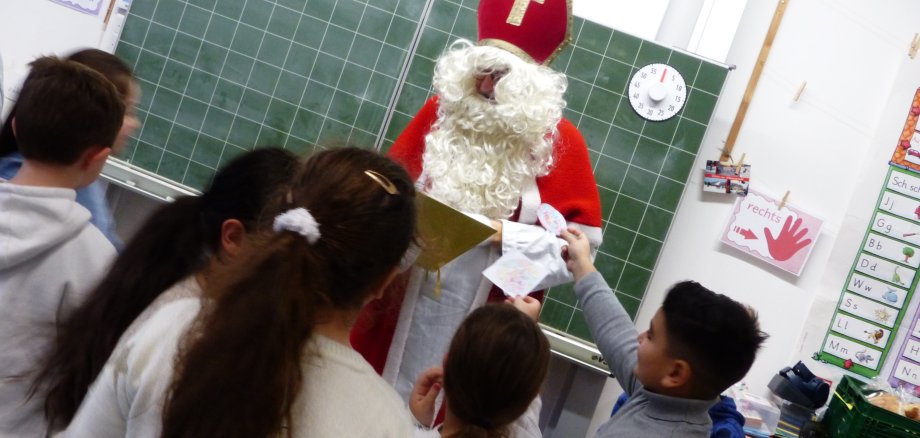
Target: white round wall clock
{"type": "Point", "coordinates": [657, 92]}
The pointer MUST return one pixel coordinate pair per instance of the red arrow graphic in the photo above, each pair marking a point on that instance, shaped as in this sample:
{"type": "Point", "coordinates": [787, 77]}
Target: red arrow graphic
{"type": "Point", "coordinates": [748, 234]}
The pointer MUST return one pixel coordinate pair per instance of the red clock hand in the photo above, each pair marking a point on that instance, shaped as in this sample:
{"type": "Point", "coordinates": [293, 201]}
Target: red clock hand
{"type": "Point", "coordinates": [665, 72]}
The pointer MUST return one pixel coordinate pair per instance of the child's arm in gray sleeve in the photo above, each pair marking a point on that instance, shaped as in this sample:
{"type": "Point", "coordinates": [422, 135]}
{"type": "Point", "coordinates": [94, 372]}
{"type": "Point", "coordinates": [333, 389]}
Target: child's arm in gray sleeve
{"type": "Point", "coordinates": [613, 330]}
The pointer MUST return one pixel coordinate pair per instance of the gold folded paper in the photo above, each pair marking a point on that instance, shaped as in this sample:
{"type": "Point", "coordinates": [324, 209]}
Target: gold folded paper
{"type": "Point", "coordinates": [445, 232]}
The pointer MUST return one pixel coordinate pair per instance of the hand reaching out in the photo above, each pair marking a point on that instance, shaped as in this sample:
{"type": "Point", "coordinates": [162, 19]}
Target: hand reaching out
{"type": "Point", "coordinates": [788, 242]}
{"type": "Point", "coordinates": [497, 237]}
{"type": "Point", "coordinates": [527, 304]}
{"type": "Point", "coordinates": [426, 389]}
{"type": "Point", "coordinates": [577, 254]}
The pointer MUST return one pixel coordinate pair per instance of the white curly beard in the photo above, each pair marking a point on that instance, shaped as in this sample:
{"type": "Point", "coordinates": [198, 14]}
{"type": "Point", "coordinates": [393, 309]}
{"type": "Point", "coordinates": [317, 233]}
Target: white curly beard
{"type": "Point", "coordinates": [480, 153]}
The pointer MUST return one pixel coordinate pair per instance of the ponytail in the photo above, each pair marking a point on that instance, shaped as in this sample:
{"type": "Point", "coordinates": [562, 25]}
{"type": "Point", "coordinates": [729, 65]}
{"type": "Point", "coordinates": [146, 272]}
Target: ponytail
{"type": "Point", "coordinates": [239, 367]}
{"type": "Point", "coordinates": [246, 361]}
{"type": "Point", "coordinates": [486, 400]}
{"type": "Point", "coordinates": [175, 242]}
{"type": "Point", "coordinates": [167, 248]}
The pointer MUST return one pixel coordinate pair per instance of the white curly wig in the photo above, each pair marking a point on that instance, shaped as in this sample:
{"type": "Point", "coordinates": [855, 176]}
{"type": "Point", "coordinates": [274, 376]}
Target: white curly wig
{"type": "Point", "coordinates": [480, 152]}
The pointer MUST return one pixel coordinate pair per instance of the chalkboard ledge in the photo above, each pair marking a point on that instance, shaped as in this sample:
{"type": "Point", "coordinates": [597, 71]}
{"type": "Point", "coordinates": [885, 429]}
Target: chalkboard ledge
{"type": "Point", "coordinates": [144, 182]}
{"type": "Point", "coordinates": [575, 350]}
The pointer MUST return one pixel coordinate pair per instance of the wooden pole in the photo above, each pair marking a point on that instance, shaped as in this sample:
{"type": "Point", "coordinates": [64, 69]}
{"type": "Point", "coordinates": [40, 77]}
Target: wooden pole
{"type": "Point", "coordinates": [752, 83]}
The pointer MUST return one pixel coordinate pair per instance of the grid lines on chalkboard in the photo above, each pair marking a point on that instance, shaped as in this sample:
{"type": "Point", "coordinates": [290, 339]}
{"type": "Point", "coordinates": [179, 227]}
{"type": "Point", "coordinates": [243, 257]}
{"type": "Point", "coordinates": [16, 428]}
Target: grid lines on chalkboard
{"type": "Point", "coordinates": [240, 74]}
{"type": "Point", "coordinates": [641, 167]}
{"type": "Point", "coordinates": [220, 76]}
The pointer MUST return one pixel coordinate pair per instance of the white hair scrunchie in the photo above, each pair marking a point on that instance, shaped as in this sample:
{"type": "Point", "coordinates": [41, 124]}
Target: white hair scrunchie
{"type": "Point", "coordinates": [300, 221]}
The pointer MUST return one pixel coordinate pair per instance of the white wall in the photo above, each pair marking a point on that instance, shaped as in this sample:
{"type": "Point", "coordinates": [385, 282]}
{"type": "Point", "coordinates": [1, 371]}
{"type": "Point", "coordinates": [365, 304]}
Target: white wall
{"type": "Point", "coordinates": [709, 32]}
{"type": "Point", "coordinates": [636, 17]}
{"type": "Point", "coordinates": [849, 52]}
{"type": "Point", "coordinates": [715, 29]}
{"type": "Point", "coordinates": [32, 28]}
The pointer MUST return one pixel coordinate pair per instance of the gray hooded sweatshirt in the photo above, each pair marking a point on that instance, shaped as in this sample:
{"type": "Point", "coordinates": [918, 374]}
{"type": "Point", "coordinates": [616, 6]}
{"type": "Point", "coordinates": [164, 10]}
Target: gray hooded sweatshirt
{"type": "Point", "coordinates": [50, 256]}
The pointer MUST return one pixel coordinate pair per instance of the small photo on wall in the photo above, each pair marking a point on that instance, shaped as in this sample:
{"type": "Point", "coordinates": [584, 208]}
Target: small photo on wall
{"type": "Point", "coordinates": [719, 178]}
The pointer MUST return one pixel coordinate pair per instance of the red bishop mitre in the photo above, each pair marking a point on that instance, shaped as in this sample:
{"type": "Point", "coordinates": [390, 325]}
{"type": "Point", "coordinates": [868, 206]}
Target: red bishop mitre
{"type": "Point", "coordinates": [535, 30]}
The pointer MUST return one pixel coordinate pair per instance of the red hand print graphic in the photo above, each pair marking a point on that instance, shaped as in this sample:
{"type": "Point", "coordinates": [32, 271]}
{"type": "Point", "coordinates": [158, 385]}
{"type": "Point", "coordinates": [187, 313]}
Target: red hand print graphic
{"type": "Point", "coordinates": [788, 242]}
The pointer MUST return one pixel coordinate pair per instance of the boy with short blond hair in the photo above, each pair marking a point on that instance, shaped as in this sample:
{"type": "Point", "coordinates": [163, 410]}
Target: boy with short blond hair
{"type": "Point", "coordinates": [66, 120]}
{"type": "Point", "coordinates": [698, 344]}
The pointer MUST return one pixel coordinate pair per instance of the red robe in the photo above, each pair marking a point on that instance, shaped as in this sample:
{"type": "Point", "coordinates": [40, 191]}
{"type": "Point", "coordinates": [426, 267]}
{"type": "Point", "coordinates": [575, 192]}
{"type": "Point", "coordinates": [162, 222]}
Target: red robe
{"type": "Point", "coordinates": [569, 187]}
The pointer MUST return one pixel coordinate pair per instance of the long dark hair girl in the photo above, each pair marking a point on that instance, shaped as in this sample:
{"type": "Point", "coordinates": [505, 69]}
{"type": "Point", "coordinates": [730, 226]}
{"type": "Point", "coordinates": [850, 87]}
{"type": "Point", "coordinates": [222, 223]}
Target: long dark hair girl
{"type": "Point", "coordinates": [494, 369]}
{"type": "Point", "coordinates": [178, 240]}
{"type": "Point", "coordinates": [239, 368]}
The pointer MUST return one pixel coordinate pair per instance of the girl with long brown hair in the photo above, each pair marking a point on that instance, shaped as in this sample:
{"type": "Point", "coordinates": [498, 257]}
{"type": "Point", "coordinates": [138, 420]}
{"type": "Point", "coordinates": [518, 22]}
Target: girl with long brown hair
{"type": "Point", "coordinates": [265, 352]}
{"type": "Point", "coordinates": [167, 258]}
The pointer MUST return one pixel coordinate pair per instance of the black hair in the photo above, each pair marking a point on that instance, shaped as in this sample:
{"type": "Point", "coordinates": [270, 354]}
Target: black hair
{"type": "Point", "coordinates": [173, 243]}
{"type": "Point", "coordinates": [719, 337]}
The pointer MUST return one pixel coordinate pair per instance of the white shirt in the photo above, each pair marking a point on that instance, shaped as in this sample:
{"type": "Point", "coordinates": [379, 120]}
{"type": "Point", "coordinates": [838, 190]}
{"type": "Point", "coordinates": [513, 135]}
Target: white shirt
{"type": "Point", "coordinates": [341, 395]}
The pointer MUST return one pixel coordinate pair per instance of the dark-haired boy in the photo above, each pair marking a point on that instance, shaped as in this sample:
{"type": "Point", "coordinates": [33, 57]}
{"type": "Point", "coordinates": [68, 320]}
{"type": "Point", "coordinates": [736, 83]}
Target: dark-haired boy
{"type": "Point", "coordinates": [66, 120]}
{"type": "Point", "coordinates": [698, 344]}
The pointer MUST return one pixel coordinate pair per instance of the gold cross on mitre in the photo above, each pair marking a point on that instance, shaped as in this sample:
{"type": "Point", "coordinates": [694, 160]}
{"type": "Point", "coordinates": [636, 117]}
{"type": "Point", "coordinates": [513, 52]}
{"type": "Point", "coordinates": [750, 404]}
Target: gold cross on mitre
{"type": "Point", "coordinates": [518, 10]}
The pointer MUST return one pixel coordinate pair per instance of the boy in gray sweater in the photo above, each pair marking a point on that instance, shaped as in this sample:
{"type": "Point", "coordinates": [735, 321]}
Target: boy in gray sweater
{"type": "Point", "coordinates": [699, 343]}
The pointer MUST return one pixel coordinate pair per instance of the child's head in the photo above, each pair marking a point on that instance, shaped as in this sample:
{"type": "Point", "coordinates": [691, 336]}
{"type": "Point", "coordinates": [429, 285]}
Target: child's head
{"type": "Point", "coordinates": [241, 191]}
{"type": "Point", "coordinates": [698, 344]}
{"type": "Point", "coordinates": [118, 73]}
{"type": "Point", "coordinates": [121, 76]}
{"type": "Point", "coordinates": [67, 114]}
{"type": "Point", "coordinates": [364, 204]}
{"type": "Point", "coordinates": [346, 221]}
{"type": "Point", "coordinates": [494, 368]}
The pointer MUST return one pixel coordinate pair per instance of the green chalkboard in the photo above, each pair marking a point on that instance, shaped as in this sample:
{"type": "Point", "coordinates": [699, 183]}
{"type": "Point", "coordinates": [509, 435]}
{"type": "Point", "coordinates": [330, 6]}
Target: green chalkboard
{"type": "Point", "coordinates": [220, 76]}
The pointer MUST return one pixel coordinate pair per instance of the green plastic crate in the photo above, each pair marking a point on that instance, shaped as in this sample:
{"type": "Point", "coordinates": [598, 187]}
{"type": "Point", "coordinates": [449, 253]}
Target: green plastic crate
{"type": "Point", "coordinates": [851, 415]}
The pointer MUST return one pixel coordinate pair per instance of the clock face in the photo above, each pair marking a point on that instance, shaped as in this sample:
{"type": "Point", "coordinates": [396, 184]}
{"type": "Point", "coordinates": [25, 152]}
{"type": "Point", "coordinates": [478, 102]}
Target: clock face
{"type": "Point", "coordinates": [657, 92]}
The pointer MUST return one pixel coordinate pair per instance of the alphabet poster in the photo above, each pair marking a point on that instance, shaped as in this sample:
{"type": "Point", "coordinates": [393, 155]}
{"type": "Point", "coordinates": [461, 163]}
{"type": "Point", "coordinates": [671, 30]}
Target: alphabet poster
{"type": "Point", "coordinates": [901, 201]}
{"type": "Point", "coordinates": [906, 371]}
{"type": "Point", "coordinates": [91, 7]}
{"type": "Point", "coordinates": [877, 291]}
{"type": "Point", "coordinates": [782, 237]}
